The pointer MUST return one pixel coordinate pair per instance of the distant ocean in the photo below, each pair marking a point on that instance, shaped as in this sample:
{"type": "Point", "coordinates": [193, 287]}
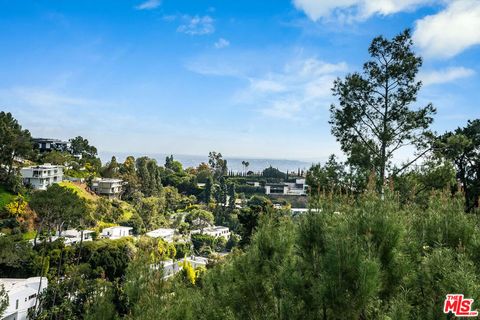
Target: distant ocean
{"type": "Point", "coordinates": [234, 164]}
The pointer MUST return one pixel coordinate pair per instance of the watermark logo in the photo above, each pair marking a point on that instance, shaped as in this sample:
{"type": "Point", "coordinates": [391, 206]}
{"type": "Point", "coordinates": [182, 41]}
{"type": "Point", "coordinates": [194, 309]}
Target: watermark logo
{"type": "Point", "coordinates": [459, 306]}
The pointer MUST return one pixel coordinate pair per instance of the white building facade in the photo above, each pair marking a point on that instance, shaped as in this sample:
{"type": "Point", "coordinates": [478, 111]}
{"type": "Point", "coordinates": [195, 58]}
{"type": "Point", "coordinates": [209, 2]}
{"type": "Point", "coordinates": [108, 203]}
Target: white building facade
{"type": "Point", "coordinates": [164, 233]}
{"type": "Point", "coordinates": [112, 188]}
{"type": "Point", "coordinates": [297, 188]}
{"type": "Point", "coordinates": [172, 267]}
{"type": "Point", "coordinates": [215, 231]}
{"type": "Point", "coordinates": [22, 295]}
{"type": "Point", "coordinates": [116, 232]}
{"type": "Point", "coordinates": [72, 236]}
{"type": "Point", "coordinates": [42, 176]}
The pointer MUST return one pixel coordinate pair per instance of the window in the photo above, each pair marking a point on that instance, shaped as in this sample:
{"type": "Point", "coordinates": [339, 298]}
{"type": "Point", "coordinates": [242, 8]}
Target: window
{"type": "Point", "coordinates": [31, 296]}
{"type": "Point", "coordinates": [16, 305]}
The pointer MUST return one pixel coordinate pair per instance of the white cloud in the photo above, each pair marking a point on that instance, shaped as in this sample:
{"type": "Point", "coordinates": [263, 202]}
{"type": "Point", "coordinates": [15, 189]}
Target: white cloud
{"type": "Point", "coordinates": [148, 5]}
{"type": "Point", "coordinates": [445, 75]}
{"type": "Point", "coordinates": [222, 43]}
{"type": "Point", "coordinates": [295, 93]}
{"type": "Point", "coordinates": [197, 25]}
{"type": "Point", "coordinates": [44, 98]}
{"type": "Point", "coordinates": [450, 31]}
{"type": "Point", "coordinates": [357, 9]}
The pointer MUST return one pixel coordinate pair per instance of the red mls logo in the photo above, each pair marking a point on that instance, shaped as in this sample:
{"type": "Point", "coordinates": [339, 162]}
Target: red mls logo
{"type": "Point", "coordinates": [459, 306]}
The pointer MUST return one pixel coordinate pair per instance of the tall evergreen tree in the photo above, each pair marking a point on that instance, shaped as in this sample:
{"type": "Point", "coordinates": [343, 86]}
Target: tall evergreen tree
{"type": "Point", "coordinates": [462, 147]}
{"type": "Point", "coordinates": [231, 195]}
{"type": "Point", "coordinates": [208, 190]}
{"type": "Point", "coordinates": [14, 142]}
{"type": "Point", "coordinates": [375, 118]}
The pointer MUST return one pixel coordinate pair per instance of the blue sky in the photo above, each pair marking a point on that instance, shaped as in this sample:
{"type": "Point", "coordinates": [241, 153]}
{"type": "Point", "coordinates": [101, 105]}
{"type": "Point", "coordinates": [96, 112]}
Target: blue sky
{"type": "Point", "coordinates": [246, 78]}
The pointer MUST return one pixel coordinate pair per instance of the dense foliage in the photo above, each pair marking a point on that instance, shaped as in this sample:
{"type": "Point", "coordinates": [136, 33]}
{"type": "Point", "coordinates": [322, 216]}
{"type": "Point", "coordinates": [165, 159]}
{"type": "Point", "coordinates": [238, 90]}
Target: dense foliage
{"type": "Point", "coordinates": [350, 259]}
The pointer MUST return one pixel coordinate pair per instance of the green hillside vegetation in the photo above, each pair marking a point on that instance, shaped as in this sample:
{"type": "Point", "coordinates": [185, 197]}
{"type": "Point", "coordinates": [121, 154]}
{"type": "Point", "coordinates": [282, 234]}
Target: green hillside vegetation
{"type": "Point", "coordinates": [5, 197]}
{"type": "Point", "coordinates": [79, 189]}
{"type": "Point", "coordinates": [362, 258]}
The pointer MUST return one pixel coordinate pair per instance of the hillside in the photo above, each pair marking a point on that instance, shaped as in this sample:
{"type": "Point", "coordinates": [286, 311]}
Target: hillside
{"type": "Point", "coordinates": [5, 196]}
{"type": "Point", "coordinates": [80, 189]}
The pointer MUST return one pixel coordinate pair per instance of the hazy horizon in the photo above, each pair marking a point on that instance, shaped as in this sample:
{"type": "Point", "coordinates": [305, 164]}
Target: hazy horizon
{"type": "Point", "coordinates": [234, 163]}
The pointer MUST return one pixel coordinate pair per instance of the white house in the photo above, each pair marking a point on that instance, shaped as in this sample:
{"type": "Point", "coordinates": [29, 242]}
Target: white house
{"type": "Point", "coordinates": [297, 188]}
{"type": "Point", "coordinates": [112, 188]}
{"type": "Point", "coordinates": [22, 294]}
{"type": "Point", "coordinates": [73, 236]}
{"type": "Point", "coordinates": [215, 231]}
{"type": "Point", "coordinates": [171, 267]}
{"type": "Point", "coordinates": [116, 232]}
{"type": "Point", "coordinates": [42, 176]}
{"type": "Point", "coordinates": [164, 233]}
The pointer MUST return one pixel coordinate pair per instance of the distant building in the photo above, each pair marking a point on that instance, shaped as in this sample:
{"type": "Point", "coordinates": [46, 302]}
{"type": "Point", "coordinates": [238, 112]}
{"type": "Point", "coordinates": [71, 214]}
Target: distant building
{"type": "Point", "coordinates": [73, 236]}
{"type": "Point", "coordinates": [297, 188]}
{"type": "Point", "coordinates": [276, 188]}
{"type": "Point", "coordinates": [171, 267]}
{"type": "Point", "coordinates": [253, 183]}
{"type": "Point", "coordinates": [69, 237]}
{"type": "Point", "coordinates": [42, 176]}
{"type": "Point", "coordinates": [165, 234]}
{"type": "Point", "coordinates": [22, 294]}
{"type": "Point", "coordinates": [111, 188]}
{"type": "Point", "coordinates": [215, 231]}
{"type": "Point", "coordinates": [300, 211]}
{"type": "Point", "coordinates": [116, 232]}
{"type": "Point", "coordinates": [47, 145]}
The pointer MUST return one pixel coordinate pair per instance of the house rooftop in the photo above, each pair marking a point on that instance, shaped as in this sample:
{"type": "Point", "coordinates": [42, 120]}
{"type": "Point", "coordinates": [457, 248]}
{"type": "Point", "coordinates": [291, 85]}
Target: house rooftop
{"type": "Point", "coordinates": [217, 228]}
{"type": "Point", "coordinates": [75, 233]}
{"type": "Point", "coordinates": [47, 139]}
{"type": "Point", "coordinates": [118, 227]}
{"type": "Point", "coordinates": [162, 232]}
{"type": "Point", "coordinates": [43, 166]}
{"type": "Point", "coordinates": [112, 180]}
{"type": "Point", "coordinates": [12, 284]}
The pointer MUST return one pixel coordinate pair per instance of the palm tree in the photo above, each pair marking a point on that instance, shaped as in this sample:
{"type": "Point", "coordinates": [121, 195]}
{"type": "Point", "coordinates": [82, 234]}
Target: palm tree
{"type": "Point", "coordinates": [246, 166]}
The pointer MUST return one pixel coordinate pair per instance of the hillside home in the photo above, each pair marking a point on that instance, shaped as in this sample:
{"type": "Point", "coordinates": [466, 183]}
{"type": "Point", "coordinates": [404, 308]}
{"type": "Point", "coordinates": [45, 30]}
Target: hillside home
{"type": "Point", "coordinates": [22, 294]}
{"type": "Point", "coordinates": [215, 231]}
{"type": "Point", "coordinates": [171, 267]}
{"type": "Point", "coordinates": [72, 236]}
{"type": "Point", "coordinates": [166, 234]}
{"type": "Point", "coordinates": [116, 232]}
{"type": "Point", "coordinates": [47, 145]}
{"type": "Point", "coordinates": [42, 176]}
{"type": "Point", "coordinates": [297, 188]}
{"type": "Point", "coordinates": [111, 188]}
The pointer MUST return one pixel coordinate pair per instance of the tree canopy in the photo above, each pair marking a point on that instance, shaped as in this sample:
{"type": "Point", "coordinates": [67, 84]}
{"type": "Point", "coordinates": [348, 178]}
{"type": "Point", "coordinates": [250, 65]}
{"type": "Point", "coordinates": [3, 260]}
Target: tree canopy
{"type": "Point", "coordinates": [14, 142]}
{"type": "Point", "coordinates": [375, 115]}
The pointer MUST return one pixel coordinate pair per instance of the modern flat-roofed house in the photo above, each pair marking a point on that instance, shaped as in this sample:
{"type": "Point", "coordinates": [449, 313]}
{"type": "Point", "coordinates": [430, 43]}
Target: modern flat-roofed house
{"type": "Point", "coordinates": [164, 233]}
{"type": "Point", "coordinates": [297, 188]}
{"type": "Point", "coordinates": [47, 145]}
{"type": "Point", "coordinates": [171, 267]}
{"type": "Point", "coordinates": [42, 176]}
{"type": "Point", "coordinates": [116, 232]}
{"type": "Point", "coordinates": [215, 231]}
{"type": "Point", "coordinates": [276, 188]}
{"type": "Point", "coordinates": [112, 188]}
{"type": "Point", "coordinates": [22, 294]}
{"type": "Point", "coordinates": [72, 236]}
